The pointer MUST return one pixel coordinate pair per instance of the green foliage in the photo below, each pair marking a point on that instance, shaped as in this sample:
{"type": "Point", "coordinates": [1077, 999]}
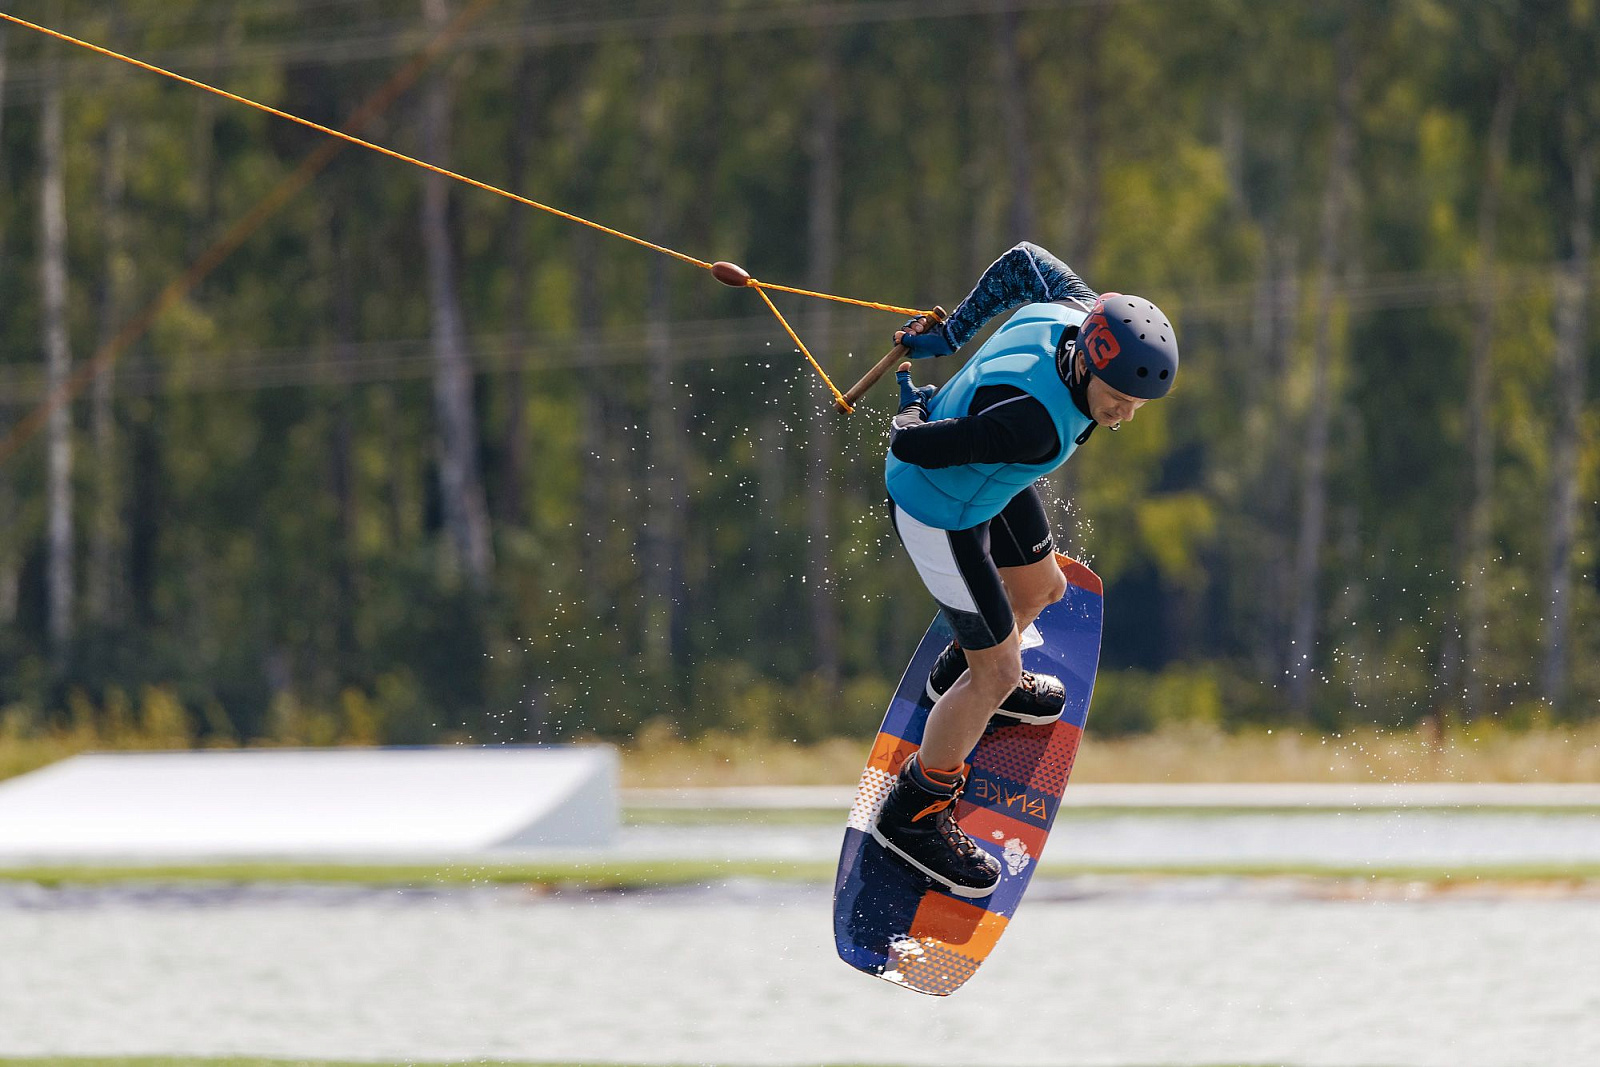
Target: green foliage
{"type": "Point", "coordinates": [283, 569]}
{"type": "Point", "coordinates": [1204, 695]}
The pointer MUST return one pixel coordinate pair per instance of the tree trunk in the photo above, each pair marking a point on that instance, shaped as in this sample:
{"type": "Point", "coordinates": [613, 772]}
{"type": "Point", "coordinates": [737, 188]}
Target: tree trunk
{"type": "Point", "coordinates": [203, 146]}
{"type": "Point", "coordinates": [1014, 118]}
{"type": "Point", "coordinates": [460, 487]}
{"type": "Point", "coordinates": [101, 592]}
{"type": "Point", "coordinates": [512, 509]}
{"type": "Point", "coordinates": [1277, 323]}
{"type": "Point", "coordinates": [1572, 320]}
{"type": "Point", "coordinates": [1088, 117]}
{"type": "Point", "coordinates": [662, 535]}
{"type": "Point", "coordinates": [593, 442]}
{"type": "Point", "coordinates": [10, 553]}
{"type": "Point", "coordinates": [342, 472]}
{"type": "Point", "coordinates": [58, 366]}
{"type": "Point", "coordinates": [1480, 429]}
{"type": "Point", "coordinates": [977, 180]}
{"type": "Point", "coordinates": [595, 445]}
{"type": "Point", "coordinates": [402, 487]}
{"type": "Point", "coordinates": [1314, 492]}
{"type": "Point", "coordinates": [822, 251]}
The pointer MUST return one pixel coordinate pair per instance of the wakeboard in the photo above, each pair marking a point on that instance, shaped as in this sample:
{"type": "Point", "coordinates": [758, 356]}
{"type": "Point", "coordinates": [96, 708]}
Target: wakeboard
{"type": "Point", "coordinates": [895, 923]}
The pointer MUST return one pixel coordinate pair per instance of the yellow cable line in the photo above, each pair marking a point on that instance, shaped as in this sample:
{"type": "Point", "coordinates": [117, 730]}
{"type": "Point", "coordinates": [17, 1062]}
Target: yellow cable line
{"type": "Point", "coordinates": [746, 280]}
{"type": "Point", "coordinates": [235, 236]}
{"type": "Point", "coordinates": [896, 308]}
{"type": "Point", "coordinates": [838, 397]}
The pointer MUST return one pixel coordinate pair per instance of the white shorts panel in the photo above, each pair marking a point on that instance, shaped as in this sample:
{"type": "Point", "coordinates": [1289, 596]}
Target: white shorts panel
{"type": "Point", "coordinates": [929, 548]}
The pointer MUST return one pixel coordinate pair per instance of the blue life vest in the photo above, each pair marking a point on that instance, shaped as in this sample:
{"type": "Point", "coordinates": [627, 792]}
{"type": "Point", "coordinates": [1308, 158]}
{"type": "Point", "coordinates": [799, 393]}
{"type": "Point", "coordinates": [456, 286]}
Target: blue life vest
{"type": "Point", "coordinates": [1022, 353]}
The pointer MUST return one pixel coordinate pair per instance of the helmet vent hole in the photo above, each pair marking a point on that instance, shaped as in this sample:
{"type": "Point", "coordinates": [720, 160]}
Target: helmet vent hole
{"type": "Point", "coordinates": [1141, 337]}
{"type": "Point", "coordinates": [1163, 374]}
{"type": "Point", "coordinates": [1144, 372]}
{"type": "Point", "coordinates": [1127, 320]}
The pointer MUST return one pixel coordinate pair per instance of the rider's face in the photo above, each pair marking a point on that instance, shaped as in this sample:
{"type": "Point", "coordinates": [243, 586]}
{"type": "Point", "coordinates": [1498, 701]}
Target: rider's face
{"type": "Point", "coordinates": [1108, 407]}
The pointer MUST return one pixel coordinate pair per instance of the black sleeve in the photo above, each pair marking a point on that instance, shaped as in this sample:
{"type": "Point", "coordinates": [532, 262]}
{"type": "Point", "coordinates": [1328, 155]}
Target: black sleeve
{"type": "Point", "coordinates": [1006, 426]}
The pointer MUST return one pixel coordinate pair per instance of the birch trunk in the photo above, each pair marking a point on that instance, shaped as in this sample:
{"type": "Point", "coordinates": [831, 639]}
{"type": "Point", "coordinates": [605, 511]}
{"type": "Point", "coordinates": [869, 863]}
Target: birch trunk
{"type": "Point", "coordinates": [662, 536]}
{"type": "Point", "coordinates": [101, 592]}
{"type": "Point", "coordinates": [1314, 491]}
{"type": "Point", "coordinates": [512, 510]}
{"type": "Point", "coordinates": [1572, 320]}
{"type": "Point", "coordinates": [10, 562]}
{"type": "Point", "coordinates": [822, 251]}
{"type": "Point", "coordinates": [1089, 117]}
{"type": "Point", "coordinates": [1278, 324]}
{"type": "Point", "coordinates": [58, 366]}
{"type": "Point", "coordinates": [343, 465]}
{"type": "Point", "coordinates": [460, 487]}
{"type": "Point", "coordinates": [203, 146]}
{"type": "Point", "coordinates": [1014, 118]}
{"type": "Point", "coordinates": [1480, 429]}
{"type": "Point", "coordinates": [592, 440]}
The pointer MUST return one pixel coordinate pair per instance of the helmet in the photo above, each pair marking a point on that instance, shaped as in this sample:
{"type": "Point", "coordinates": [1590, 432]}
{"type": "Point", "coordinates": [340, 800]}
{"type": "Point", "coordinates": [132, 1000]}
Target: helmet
{"type": "Point", "coordinates": [1129, 344]}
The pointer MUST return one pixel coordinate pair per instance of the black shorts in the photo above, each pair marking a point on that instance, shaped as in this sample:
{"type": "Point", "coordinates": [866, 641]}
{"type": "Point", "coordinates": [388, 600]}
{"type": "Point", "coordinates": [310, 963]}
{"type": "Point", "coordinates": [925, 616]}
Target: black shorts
{"type": "Point", "coordinates": [961, 567]}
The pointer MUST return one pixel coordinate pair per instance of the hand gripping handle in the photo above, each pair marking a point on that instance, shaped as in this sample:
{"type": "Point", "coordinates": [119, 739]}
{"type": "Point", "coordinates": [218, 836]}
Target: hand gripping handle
{"type": "Point", "coordinates": [869, 379]}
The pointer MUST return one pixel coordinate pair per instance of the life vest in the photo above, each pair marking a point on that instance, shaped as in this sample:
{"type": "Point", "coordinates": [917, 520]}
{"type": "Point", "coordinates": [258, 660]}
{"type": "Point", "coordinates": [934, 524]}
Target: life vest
{"type": "Point", "coordinates": [1021, 353]}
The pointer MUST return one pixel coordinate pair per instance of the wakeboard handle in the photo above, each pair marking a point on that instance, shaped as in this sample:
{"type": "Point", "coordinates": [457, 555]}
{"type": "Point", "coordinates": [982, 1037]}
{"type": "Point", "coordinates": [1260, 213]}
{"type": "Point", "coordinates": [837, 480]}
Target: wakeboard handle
{"type": "Point", "coordinates": [869, 379]}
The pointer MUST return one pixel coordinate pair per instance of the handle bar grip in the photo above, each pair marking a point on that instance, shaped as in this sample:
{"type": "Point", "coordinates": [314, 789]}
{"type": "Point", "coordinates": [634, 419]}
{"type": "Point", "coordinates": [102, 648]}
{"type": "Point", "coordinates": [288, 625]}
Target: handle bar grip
{"type": "Point", "coordinates": [869, 379]}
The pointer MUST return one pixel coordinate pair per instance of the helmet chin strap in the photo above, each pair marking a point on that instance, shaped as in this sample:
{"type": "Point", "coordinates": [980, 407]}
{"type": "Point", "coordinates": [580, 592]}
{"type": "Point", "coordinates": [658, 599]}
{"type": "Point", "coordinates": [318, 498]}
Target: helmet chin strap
{"type": "Point", "coordinates": [1067, 354]}
{"type": "Point", "coordinates": [1077, 382]}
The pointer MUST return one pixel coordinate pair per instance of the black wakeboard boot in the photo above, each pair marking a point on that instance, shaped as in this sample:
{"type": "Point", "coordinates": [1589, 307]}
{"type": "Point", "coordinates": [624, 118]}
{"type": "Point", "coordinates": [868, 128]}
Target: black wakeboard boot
{"type": "Point", "coordinates": [918, 824]}
{"type": "Point", "coordinates": [1039, 699]}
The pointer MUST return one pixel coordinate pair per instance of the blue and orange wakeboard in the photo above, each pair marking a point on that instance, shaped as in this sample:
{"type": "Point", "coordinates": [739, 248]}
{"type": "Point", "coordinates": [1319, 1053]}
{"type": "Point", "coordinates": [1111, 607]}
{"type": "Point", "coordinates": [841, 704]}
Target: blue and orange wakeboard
{"type": "Point", "coordinates": [894, 923]}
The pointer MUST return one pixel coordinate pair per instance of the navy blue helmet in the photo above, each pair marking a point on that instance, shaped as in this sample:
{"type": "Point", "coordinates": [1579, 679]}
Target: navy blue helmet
{"type": "Point", "coordinates": [1129, 344]}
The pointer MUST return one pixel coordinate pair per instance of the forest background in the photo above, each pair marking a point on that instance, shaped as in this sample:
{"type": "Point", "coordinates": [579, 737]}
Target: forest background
{"type": "Point", "coordinates": [418, 464]}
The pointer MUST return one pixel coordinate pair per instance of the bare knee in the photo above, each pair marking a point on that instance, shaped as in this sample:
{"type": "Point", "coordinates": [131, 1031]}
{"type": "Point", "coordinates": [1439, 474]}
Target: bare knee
{"type": "Point", "coordinates": [997, 674]}
{"type": "Point", "coordinates": [1045, 595]}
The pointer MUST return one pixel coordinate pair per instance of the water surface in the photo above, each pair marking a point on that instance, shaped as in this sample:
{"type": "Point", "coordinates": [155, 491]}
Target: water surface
{"type": "Point", "coordinates": [1092, 972]}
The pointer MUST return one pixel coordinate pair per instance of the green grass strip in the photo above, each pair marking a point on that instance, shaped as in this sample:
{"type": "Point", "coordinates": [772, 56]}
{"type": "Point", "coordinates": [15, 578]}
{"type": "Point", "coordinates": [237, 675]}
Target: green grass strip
{"type": "Point", "coordinates": [649, 874]}
{"type": "Point", "coordinates": [252, 1061]}
{"type": "Point", "coordinates": [836, 816]}
{"type": "Point", "coordinates": [1488, 872]}
{"type": "Point", "coordinates": [635, 874]}
{"type": "Point", "coordinates": [245, 1061]}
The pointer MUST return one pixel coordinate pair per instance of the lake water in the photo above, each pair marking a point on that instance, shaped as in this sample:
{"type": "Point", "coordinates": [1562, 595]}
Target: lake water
{"type": "Point", "coordinates": [1094, 971]}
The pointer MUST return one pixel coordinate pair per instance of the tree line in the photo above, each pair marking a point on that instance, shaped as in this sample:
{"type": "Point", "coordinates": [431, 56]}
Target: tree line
{"type": "Point", "coordinates": [413, 462]}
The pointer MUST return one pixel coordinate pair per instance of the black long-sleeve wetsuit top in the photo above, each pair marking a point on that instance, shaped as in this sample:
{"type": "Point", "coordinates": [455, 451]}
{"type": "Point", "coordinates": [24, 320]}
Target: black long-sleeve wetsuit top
{"type": "Point", "coordinates": [1003, 424]}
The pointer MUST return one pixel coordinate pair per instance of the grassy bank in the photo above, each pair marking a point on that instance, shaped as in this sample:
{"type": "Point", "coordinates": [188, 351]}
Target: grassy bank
{"type": "Point", "coordinates": [1174, 754]}
{"type": "Point", "coordinates": [238, 1061]}
{"type": "Point", "coordinates": [254, 1061]}
{"type": "Point", "coordinates": [605, 876]}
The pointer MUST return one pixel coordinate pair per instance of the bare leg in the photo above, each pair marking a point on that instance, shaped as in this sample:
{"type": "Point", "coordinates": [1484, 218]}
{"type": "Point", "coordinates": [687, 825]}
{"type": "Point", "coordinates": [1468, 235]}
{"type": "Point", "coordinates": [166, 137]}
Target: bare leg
{"type": "Point", "coordinates": [1032, 589]}
{"type": "Point", "coordinates": [958, 718]}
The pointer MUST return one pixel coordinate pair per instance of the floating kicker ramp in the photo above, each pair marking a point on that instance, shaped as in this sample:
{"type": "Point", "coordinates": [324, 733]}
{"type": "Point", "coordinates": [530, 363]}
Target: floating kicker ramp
{"type": "Point", "coordinates": [325, 803]}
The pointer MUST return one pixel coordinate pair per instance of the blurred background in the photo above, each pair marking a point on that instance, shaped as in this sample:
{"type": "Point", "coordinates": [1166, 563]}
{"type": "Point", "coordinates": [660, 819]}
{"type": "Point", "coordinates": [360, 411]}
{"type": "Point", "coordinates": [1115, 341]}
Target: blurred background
{"type": "Point", "coordinates": [352, 455]}
{"type": "Point", "coordinates": [413, 462]}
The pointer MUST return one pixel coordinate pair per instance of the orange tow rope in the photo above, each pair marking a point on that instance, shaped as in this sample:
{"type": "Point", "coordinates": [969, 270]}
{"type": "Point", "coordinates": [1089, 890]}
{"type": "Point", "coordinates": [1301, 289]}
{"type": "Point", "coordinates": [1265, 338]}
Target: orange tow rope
{"type": "Point", "coordinates": [727, 273]}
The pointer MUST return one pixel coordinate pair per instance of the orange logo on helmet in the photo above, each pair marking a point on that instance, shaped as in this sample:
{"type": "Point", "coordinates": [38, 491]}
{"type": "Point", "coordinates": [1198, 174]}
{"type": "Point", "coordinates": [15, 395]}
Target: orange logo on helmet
{"type": "Point", "coordinates": [1096, 338]}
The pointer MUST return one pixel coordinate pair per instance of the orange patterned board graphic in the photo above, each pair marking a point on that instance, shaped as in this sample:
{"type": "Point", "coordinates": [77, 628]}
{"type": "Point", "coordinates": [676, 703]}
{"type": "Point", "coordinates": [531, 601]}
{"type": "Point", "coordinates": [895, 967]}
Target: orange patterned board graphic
{"type": "Point", "coordinates": [890, 921]}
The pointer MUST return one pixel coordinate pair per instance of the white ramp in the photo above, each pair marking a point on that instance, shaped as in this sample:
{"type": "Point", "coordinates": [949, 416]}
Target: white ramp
{"type": "Point", "coordinates": [346, 803]}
